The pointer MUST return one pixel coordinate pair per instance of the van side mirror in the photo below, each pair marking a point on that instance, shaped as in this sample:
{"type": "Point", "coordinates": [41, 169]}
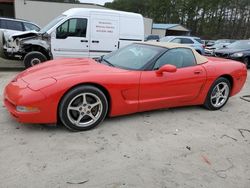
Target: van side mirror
{"type": "Point", "coordinates": [166, 68]}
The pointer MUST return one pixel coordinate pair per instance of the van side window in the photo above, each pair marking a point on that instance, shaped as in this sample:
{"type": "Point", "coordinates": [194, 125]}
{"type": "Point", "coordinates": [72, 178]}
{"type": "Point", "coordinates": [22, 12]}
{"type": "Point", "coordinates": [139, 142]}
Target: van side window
{"type": "Point", "coordinates": [179, 57]}
{"type": "Point", "coordinates": [76, 27]}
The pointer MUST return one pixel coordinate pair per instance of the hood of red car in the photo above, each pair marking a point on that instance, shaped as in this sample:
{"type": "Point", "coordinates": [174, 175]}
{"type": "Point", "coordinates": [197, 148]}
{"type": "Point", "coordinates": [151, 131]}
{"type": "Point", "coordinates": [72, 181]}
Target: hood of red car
{"type": "Point", "coordinates": [62, 68]}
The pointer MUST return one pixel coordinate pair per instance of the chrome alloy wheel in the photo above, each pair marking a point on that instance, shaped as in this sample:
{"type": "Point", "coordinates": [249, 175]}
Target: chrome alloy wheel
{"type": "Point", "coordinates": [84, 109]}
{"type": "Point", "coordinates": [219, 94]}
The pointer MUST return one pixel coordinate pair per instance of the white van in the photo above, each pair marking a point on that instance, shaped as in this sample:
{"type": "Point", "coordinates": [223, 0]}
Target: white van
{"type": "Point", "coordinates": [79, 32]}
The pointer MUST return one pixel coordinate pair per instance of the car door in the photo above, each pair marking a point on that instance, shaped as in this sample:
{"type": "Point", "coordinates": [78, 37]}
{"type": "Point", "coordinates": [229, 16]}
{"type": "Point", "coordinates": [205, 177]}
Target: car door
{"type": "Point", "coordinates": [172, 89]}
{"type": "Point", "coordinates": [71, 39]}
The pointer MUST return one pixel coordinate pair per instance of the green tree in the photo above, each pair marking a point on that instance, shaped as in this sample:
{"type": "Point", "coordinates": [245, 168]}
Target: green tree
{"type": "Point", "coordinates": [210, 19]}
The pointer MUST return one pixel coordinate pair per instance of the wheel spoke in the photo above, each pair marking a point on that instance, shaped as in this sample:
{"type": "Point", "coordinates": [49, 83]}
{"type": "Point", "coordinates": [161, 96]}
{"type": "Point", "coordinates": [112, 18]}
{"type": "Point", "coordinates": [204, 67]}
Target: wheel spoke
{"type": "Point", "coordinates": [94, 105]}
{"type": "Point", "coordinates": [224, 97]}
{"type": "Point", "coordinates": [213, 97]}
{"type": "Point", "coordinates": [217, 101]}
{"type": "Point", "coordinates": [75, 108]}
{"type": "Point", "coordinates": [79, 118]}
{"type": "Point", "coordinates": [84, 99]}
{"type": "Point", "coordinates": [218, 88]}
{"type": "Point", "coordinates": [91, 116]}
{"type": "Point", "coordinates": [224, 88]}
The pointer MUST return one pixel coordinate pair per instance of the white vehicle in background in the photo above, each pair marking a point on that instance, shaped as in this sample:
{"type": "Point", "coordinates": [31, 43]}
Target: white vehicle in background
{"type": "Point", "coordinates": [10, 26]}
{"type": "Point", "coordinates": [77, 33]}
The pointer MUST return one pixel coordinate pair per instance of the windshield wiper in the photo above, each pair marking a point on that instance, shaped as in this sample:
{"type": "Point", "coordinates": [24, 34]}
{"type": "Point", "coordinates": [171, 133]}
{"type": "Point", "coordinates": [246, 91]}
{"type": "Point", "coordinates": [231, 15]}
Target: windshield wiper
{"type": "Point", "coordinates": [106, 61]}
{"type": "Point", "coordinates": [100, 59]}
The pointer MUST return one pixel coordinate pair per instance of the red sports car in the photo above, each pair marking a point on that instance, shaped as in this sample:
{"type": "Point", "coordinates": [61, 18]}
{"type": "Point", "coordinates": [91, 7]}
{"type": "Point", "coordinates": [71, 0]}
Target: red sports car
{"type": "Point", "coordinates": [80, 93]}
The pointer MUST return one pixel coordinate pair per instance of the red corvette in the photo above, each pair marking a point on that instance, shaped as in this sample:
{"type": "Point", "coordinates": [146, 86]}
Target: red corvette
{"type": "Point", "coordinates": [144, 76]}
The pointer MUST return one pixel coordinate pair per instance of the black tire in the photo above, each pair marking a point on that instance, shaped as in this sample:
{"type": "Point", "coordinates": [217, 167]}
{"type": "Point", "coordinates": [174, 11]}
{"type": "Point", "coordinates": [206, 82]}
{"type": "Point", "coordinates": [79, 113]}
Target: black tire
{"type": "Point", "coordinates": [1, 44]}
{"type": "Point", "coordinates": [199, 52]}
{"type": "Point", "coordinates": [209, 102]}
{"type": "Point", "coordinates": [80, 118]}
{"type": "Point", "coordinates": [33, 58]}
{"type": "Point", "coordinates": [246, 61]}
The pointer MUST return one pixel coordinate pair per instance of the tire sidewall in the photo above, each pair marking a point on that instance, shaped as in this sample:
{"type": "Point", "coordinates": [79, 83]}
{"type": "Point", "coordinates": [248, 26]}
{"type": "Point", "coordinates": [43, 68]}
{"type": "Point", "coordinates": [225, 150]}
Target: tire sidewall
{"type": "Point", "coordinates": [246, 61]}
{"type": "Point", "coordinates": [208, 103]}
{"type": "Point", "coordinates": [32, 55]}
{"type": "Point", "coordinates": [70, 95]}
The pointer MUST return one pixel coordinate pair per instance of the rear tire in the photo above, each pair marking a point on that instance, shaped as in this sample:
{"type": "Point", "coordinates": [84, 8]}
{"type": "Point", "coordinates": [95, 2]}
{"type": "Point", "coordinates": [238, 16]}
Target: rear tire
{"type": "Point", "coordinates": [83, 108]}
{"type": "Point", "coordinates": [246, 61]}
{"type": "Point", "coordinates": [218, 94]}
{"type": "Point", "coordinates": [34, 58]}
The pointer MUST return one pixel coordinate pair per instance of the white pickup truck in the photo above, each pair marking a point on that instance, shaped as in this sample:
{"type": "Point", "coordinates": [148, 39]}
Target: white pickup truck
{"type": "Point", "coordinates": [78, 32]}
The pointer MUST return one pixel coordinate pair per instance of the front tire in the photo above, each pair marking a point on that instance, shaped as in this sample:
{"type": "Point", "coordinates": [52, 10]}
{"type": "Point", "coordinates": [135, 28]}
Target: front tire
{"type": "Point", "coordinates": [34, 58]}
{"type": "Point", "coordinates": [83, 108]}
{"type": "Point", "coordinates": [218, 94]}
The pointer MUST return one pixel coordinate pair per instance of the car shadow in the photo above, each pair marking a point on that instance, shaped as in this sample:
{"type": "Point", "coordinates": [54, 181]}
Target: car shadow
{"type": "Point", "coordinates": [110, 120]}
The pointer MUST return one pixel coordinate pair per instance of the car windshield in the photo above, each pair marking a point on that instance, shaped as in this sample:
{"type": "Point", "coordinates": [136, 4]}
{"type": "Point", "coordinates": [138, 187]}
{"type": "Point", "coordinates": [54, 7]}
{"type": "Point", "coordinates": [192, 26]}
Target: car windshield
{"type": "Point", "coordinates": [198, 40]}
{"type": "Point", "coordinates": [240, 45]}
{"type": "Point", "coordinates": [221, 41]}
{"type": "Point", "coordinates": [52, 23]}
{"type": "Point", "coordinates": [132, 57]}
{"type": "Point", "coordinates": [219, 45]}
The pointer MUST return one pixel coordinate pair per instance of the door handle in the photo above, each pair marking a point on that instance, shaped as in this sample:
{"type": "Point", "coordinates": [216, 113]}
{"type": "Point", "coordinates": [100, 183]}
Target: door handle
{"type": "Point", "coordinates": [95, 41]}
{"type": "Point", "coordinates": [84, 41]}
{"type": "Point", "coordinates": [197, 71]}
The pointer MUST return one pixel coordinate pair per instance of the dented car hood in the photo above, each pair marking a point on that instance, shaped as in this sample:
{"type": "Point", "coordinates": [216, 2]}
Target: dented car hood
{"type": "Point", "coordinates": [24, 34]}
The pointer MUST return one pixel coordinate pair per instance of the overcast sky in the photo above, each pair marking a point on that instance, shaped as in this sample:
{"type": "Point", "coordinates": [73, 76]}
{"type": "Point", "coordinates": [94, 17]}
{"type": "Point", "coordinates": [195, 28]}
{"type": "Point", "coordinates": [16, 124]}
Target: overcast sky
{"type": "Point", "coordinates": [100, 2]}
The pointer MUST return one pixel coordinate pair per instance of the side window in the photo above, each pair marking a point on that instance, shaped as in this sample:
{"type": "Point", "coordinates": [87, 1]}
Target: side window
{"type": "Point", "coordinates": [76, 27]}
{"type": "Point", "coordinates": [179, 57]}
{"type": "Point", "coordinates": [186, 41]}
{"type": "Point", "coordinates": [176, 40]}
{"type": "Point", "coordinates": [29, 26]}
{"type": "Point", "coordinates": [14, 25]}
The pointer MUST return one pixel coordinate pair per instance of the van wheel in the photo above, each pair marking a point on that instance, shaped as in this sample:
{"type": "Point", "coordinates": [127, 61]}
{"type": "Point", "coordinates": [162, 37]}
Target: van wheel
{"type": "Point", "coordinates": [83, 108]}
{"type": "Point", "coordinates": [1, 44]}
{"type": "Point", "coordinates": [33, 58]}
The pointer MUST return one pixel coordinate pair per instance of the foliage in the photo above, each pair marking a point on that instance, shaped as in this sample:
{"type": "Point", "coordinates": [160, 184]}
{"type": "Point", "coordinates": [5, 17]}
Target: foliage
{"type": "Point", "coordinates": [61, 1]}
{"type": "Point", "coordinates": [210, 19]}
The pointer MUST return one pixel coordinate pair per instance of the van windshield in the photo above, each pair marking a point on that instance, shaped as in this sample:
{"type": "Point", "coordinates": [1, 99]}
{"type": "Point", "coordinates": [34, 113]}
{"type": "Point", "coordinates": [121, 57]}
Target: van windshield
{"type": "Point", "coordinates": [52, 23]}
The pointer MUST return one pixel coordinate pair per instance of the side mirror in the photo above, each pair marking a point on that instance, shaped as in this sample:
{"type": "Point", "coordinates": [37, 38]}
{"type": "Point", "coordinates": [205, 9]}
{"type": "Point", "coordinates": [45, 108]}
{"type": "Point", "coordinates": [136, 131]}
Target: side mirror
{"type": "Point", "coordinates": [166, 68]}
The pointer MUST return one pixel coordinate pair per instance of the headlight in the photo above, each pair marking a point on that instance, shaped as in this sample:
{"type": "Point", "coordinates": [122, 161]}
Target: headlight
{"type": "Point", "coordinates": [237, 54]}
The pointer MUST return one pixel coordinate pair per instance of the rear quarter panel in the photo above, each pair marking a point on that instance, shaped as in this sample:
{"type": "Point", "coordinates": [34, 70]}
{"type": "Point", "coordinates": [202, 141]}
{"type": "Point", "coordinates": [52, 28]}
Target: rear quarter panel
{"type": "Point", "coordinates": [218, 67]}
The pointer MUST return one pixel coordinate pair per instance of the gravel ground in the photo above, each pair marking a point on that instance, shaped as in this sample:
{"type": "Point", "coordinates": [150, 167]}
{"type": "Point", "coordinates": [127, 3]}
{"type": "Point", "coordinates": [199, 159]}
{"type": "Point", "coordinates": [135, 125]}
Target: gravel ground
{"type": "Point", "coordinates": [180, 147]}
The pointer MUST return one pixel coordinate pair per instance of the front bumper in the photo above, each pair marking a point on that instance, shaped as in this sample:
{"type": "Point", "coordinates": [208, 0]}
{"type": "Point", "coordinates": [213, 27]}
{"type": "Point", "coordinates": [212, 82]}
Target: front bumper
{"type": "Point", "coordinates": [17, 93]}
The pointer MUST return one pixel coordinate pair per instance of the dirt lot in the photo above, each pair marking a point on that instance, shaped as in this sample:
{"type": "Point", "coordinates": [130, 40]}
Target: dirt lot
{"type": "Point", "coordinates": [181, 147]}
